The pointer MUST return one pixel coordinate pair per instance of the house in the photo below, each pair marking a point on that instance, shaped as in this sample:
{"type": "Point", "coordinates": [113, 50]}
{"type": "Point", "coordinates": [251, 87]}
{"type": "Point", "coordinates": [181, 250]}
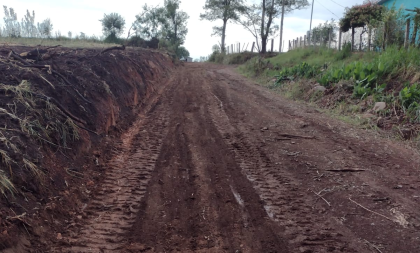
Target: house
{"type": "Point", "coordinates": [186, 59]}
{"type": "Point", "coordinates": [404, 5]}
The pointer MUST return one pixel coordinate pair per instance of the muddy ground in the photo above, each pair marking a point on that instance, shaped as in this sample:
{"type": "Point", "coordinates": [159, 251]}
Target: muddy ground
{"type": "Point", "coordinates": [215, 163]}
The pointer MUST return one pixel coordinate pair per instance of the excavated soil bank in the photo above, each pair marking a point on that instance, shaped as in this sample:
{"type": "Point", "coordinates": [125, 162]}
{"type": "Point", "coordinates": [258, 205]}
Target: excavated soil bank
{"type": "Point", "coordinates": [214, 163]}
{"type": "Point", "coordinates": [99, 91]}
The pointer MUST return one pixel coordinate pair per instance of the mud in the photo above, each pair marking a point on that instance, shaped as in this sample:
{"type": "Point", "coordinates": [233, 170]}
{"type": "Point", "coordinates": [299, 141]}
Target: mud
{"type": "Point", "coordinates": [218, 164]}
{"type": "Point", "coordinates": [215, 163]}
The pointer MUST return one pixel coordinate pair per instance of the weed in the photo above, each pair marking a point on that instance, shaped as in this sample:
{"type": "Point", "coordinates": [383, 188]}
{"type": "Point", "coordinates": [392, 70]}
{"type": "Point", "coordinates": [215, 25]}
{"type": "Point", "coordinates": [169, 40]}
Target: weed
{"type": "Point", "coordinates": [33, 168]}
{"type": "Point", "coordinates": [6, 184]}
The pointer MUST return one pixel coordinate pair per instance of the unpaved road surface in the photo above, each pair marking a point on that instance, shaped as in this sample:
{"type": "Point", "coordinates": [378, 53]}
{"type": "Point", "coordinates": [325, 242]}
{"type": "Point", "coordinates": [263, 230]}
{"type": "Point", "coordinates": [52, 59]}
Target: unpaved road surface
{"type": "Point", "coordinates": [215, 163]}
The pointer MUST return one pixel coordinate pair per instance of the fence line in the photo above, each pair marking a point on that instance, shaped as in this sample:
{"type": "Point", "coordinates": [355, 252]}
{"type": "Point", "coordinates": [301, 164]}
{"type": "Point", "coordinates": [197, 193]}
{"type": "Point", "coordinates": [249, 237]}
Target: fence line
{"type": "Point", "coordinates": [236, 48]}
{"type": "Point", "coordinates": [360, 39]}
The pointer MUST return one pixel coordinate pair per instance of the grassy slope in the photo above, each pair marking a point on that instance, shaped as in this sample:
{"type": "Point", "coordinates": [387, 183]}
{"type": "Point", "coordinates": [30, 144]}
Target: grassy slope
{"type": "Point", "coordinates": [401, 64]}
{"type": "Point", "coordinates": [400, 75]}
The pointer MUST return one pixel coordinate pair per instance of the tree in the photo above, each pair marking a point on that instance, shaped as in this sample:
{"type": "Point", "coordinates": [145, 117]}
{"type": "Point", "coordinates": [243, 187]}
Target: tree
{"type": "Point", "coordinates": [321, 34]}
{"type": "Point", "coordinates": [28, 25]}
{"type": "Point", "coordinates": [113, 24]}
{"type": "Point", "coordinates": [361, 15]}
{"type": "Point", "coordinates": [258, 18]}
{"type": "Point", "coordinates": [11, 25]}
{"type": "Point", "coordinates": [149, 23]}
{"type": "Point", "coordinates": [224, 10]}
{"type": "Point", "coordinates": [182, 52]}
{"type": "Point", "coordinates": [167, 24]}
{"type": "Point", "coordinates": [215, 48]}
{"type": "Point", "coordinates": [175, 29]}
{"type": "Point", "coordinates": [45, 28]}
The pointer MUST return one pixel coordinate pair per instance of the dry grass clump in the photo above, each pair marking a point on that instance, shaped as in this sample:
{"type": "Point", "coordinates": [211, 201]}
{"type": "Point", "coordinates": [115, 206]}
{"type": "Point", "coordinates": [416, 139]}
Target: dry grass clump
{"type": "Point", "coordinates": [36, 118]}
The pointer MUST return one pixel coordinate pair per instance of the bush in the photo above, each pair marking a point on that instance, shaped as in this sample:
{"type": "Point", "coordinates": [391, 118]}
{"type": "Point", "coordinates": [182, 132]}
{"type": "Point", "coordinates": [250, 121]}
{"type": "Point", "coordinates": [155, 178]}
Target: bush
{"type": "Point", "coordinates": [344, 53]}
{"type": "Point", "coordinates": [135, 41]}
{"type": "Point", "coordinates": [112, 38]}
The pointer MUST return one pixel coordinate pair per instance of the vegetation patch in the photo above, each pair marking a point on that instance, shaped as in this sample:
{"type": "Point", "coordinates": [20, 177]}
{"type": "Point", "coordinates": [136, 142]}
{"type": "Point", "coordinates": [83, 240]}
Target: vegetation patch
{"type": "Point", "coordinates": [331, 78]}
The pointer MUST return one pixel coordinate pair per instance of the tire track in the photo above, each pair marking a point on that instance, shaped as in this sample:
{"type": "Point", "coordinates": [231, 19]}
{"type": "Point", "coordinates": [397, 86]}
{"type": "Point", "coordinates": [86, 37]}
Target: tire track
{"type": "Point", "coordinates": [282, 199]}
{"type": "Point", "coordinates": [112, 212]}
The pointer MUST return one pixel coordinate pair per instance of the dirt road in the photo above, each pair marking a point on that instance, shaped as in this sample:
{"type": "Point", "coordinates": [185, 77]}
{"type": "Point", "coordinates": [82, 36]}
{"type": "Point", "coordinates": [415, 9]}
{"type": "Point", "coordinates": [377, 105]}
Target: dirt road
{"type": "Point", "coordinates": [215, 163]}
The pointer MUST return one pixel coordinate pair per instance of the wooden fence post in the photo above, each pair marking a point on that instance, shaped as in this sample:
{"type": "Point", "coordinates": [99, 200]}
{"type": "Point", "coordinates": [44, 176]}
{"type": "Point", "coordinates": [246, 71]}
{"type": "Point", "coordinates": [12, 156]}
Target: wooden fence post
{"type": "Point", "coordinates": [383, 43]}
{"type": "Point", "coordinates": [407, 33]}
{"type": "Point", "coordinates": [352, 39]}
{"type": "Point", "coordinates": [272, 45]}
{"type": "Point", "coordinates": [329, 38]}
{"type": "Point", "coordinates": [239, 47]}
{"type": "Point", "coordinates": [253, 45]}
{"type": "Point", "coordinates": [304, 40]}
{"type": "Point", "coordinates": [290, 45]}
{"type": "Point", "coordinates": [339, 40]}
{"type": "Point", "coordinates": [369, 38]}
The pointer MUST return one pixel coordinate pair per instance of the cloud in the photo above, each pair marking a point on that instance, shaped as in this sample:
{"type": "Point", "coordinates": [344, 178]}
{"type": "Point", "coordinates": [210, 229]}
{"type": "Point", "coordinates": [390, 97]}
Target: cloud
{"type": "Point", "coordinates": [83, 16]}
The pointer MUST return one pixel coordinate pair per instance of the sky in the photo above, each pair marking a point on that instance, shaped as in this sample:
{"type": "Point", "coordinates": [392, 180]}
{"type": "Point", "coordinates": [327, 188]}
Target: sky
{"type": "Point", "coordinates": [84, 15]}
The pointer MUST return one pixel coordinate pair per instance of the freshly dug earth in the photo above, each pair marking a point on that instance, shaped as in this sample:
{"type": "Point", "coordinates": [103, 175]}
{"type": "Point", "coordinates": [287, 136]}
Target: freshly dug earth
{"type": "Point", "coordinates": [60, 108]}
{"type": "Point", "coordinates": [217, 164]}
{"type": "Point", "coordinates": [214, 163]}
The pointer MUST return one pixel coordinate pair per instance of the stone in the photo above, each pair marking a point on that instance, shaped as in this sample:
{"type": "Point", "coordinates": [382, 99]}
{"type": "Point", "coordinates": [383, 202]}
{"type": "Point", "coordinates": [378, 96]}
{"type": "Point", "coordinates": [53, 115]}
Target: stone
{"type": "Point", "coordinates": [319, 88]}
{"type": "Point", "coordinates": [379, 106]}
{"type": "Point", "coordinates": [59, 236]}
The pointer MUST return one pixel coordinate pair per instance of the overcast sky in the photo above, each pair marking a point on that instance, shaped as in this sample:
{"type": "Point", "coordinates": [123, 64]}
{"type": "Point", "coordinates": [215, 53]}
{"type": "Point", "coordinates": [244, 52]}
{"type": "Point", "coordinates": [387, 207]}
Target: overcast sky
{"type": "Point", "coordinates": [84, 15]}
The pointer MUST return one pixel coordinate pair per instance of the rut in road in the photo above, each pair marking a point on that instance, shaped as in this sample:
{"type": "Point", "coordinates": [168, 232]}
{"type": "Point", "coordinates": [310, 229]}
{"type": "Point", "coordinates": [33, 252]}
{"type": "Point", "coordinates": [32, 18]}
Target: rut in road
{"type": "Point", "coordinates": [206, 171]}
{"type": "Point", "coordinates": [113, 211]}
{"type": "Point", "coordinates": [199, 200]}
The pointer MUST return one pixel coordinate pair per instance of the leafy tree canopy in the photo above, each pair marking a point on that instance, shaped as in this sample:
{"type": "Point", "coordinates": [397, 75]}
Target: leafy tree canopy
{"type": "Point", "coordinates": [182, 52]}
{"type": "Point", "coordinates": [361, 15]}
{"type": "Point", "coordinates": [113, 23]}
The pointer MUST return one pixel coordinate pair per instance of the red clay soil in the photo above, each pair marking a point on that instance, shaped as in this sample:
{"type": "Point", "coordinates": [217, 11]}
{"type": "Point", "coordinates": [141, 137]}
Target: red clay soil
{"type": "Point", "coordinates": [102, 93]}
{"type": "Point", "coordinates": [215, 163]}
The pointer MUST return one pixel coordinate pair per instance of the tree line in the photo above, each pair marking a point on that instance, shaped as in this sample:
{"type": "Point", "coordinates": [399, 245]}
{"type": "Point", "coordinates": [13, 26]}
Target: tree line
{"type": "Point", "coordinates": [166, 26]}
{"type": "Point", "coordinates": [255, 16]}
{"type": "Point", "coordinates": [155, 26]}
{"type": "Point", "coordinates": [26, 27]}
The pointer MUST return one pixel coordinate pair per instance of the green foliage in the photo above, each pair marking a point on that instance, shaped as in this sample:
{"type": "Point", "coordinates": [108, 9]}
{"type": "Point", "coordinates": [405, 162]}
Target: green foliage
{"type": "Point", "coordinates": [231, 59]}
{"type": "Point", "coordinates": [391, 30]}
{"type": "Point", "coordinates": [149, 24]}
{"type": "Point", "coordinates": [113, 23]}
{"type": "Point", "coordinates": [302, 70]}
{"type": "Point", "coordinates": [409, 98]}
{"type": "Point", "coordinates": [344, 53]}
{"type": "Point", "coordinates": [175, 29]}
{"type": "Point", "coordinates": [112, 38]}
{"type": "Point", "coordinates": [361, 15]}
{"type": "Point", "coordinates": [182, 52]}
{"type": "Point", "coordinates": [321, 33]}
{"type": "Point", "coordinates": [224, 11]}
{"type": "Point", "coordinates": [168, 24]}
{"type": "Point", "coordinates": [258, 17]}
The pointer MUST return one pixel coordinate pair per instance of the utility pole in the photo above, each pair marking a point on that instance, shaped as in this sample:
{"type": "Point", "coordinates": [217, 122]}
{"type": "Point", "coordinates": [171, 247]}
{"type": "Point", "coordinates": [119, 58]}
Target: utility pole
{"type": "Point", "coordinates": [281, 26]}
{"type": "Point", "coordinates": [310, 27]}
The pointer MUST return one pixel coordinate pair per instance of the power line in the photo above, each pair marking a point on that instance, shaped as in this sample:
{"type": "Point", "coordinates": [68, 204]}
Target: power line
{"type": "Point", "coordinates": [337, 3]}
{"type": "Point", "coordinates": [327, 9]}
